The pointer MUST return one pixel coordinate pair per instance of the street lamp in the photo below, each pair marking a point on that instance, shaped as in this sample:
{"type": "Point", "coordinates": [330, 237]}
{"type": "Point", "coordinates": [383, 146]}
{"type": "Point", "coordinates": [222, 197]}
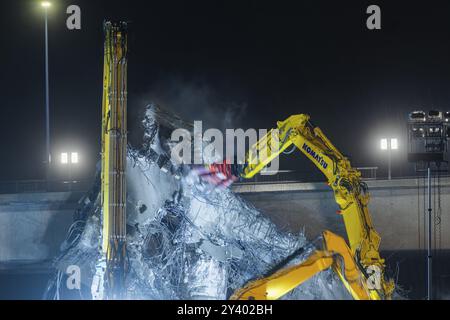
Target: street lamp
{"type": "Point", "coordinates": [389, 145]}
{"type": "Point", "coordinates": [46, 5]}
{"type": "Point", "coordinates": [69, 161]}
{"type": "Point", "coordinates": [74, 158]}
{"type": "Point", "coordinates": [64, 158]}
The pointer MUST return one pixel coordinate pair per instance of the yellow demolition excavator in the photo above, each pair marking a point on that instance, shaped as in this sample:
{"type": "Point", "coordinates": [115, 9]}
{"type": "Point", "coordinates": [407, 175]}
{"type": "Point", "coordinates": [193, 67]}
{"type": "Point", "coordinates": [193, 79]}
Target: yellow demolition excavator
{"type": "Point", "coordinates": [358, 263]}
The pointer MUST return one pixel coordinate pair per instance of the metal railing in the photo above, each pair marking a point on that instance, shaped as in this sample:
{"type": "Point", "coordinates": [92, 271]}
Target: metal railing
{"type": "Point", "coordinates": [367, 173]}
{"type": "Point", "coordinates": [37, 186]}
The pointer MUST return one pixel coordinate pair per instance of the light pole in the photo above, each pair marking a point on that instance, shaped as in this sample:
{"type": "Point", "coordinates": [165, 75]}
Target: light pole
{"type": "Point", "coordinates": [429, 252]}
{"type": "Point", "coordinates": [46, 5]}
{"type": "Point", "coordinates": [389, 145]}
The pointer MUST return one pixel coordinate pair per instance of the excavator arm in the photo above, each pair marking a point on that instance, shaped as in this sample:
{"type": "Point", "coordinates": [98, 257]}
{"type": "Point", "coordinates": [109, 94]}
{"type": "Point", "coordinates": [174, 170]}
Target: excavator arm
{"type": "Point", "coordinates": [336, 254]}
{"type": "Point", "coordinates": [352, 197]}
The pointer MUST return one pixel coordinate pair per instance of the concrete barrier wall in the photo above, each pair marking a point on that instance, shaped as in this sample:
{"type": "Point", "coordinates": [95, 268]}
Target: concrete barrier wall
{"type": "Point", "coordinates": [396, 206]}
{"type": "Point", "coordinates": [32, 226]}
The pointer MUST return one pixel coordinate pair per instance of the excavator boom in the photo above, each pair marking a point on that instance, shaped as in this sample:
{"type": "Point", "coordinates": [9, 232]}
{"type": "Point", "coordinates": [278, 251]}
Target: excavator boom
{"type": "Point", "coordinates": [114, 148]}
{"type": "Point", "coordinates": [361, 257]}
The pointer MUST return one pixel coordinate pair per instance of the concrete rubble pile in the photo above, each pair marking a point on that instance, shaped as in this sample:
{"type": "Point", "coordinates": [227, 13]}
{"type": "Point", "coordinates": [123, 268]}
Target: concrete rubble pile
{"type": "Point", "coordinates": [184, 240]}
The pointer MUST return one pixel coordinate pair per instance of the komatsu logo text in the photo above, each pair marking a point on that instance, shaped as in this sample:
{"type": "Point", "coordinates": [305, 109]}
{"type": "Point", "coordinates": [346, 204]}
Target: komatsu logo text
{"type": "Point", "coordinates": [315, 155]}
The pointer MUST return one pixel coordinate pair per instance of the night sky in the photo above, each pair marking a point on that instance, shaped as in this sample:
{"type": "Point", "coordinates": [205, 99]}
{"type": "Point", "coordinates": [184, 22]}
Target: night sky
{"type": "Point", "coordinates": [229, 63]}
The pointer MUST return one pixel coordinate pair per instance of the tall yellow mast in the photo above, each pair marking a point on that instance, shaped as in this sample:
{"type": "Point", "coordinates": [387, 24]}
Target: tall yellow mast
{"type": "Point", "coordinates": [114, 152]}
